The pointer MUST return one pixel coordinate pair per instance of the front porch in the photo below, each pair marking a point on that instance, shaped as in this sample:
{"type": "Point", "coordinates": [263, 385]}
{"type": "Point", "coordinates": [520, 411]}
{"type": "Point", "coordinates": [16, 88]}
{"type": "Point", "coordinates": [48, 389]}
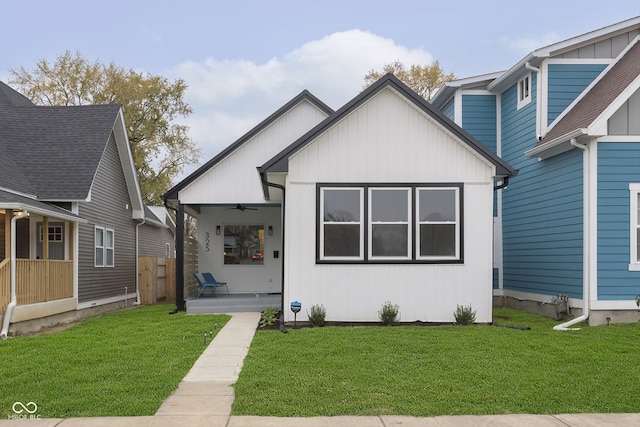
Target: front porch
{"type": "Point", "coordinates": [37, 281]}
{"type": "Point", "coordinates": [234, 303]}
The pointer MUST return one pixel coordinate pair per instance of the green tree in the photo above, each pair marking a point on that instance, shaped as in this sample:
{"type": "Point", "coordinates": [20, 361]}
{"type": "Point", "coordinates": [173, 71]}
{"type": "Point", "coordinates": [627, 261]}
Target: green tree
{"type": "Point", "coordinates": [423, 79]}
{"type": "Point", "coordinates": [160, 146]}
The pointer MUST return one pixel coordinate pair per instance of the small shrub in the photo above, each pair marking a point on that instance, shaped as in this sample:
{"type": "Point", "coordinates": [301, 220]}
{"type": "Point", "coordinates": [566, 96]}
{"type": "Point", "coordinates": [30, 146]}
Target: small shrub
{"type": "Point", "coordinates": [317, 315]}
{"type": "Point", "coordinates": [464, 315]}
{"type": "Point", "coordinates": [269, 317]}
{"type": "Point", "coordinates": [388, 314]}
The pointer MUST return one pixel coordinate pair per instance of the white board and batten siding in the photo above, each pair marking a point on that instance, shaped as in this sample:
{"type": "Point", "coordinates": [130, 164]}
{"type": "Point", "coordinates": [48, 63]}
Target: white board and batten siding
{"type": "Point", "coordinates": [235, 178]}
{"type": "Point", "coordinates": [388, 140]}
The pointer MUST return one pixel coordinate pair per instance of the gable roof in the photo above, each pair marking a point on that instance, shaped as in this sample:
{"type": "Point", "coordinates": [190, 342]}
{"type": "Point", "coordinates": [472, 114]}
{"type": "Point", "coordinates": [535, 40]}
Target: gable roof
{"type": "Point", "coordinates": [447, 90]}
{"type": "Point", "coordinates": [53, 153]}
{"type": "Point", "coordinates": [159, 216]}
{"type": "Point", "coordinates": [280, 163]}
{"type": "Point", "coordinates": [305, 95]}
{"type": "Point", "coordinates": [597, 103]}
{"type": "Point", "coordinates": [10, 97]}
{"type": "Point", "coordinates": [534, 58]}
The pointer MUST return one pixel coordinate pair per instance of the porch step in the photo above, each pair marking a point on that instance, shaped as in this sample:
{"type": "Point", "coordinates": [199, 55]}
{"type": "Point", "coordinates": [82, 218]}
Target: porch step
{"type": "Point", "coordinates": [234, 303]}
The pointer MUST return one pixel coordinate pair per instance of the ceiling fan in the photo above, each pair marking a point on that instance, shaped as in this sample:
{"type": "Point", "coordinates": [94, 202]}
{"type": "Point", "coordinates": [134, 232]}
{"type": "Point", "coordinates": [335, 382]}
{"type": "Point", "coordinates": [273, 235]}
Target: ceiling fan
{"type": "Point", "coordinates": [241, 208]}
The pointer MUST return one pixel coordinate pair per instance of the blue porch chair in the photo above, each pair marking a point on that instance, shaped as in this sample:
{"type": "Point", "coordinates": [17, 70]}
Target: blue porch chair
{"type": "Point", "coordinates": [208, 278]}
{"type": "Point", "coordinates": [209, 282]}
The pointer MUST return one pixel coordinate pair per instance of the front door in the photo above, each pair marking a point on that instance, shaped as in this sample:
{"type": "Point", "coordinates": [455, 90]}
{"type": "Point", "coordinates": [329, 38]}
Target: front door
{"type": "Point", "coordinates": [56, 240]}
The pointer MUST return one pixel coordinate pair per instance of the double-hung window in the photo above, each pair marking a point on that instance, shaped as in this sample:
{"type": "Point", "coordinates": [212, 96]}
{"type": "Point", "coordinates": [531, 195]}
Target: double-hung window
{"type": "Point", "coordinates": [389, 223]}
{"type": "Point", "coordinates": [438, 227]}
{"type": "Point", "coordinates": [634, 193]}
{"type": "Point", "coordinates": [104, 247]}
{"type": "Point", "coordinates": [341, 229]}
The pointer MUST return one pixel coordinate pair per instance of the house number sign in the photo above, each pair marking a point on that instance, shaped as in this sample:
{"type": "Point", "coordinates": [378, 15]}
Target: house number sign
{"type": "Point", "coordinates": [206, 241]}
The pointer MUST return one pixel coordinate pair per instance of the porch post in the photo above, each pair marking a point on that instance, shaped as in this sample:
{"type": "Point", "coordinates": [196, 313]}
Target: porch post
{"type": "Point", "coordinates": [45, 237]}
{"type": "Point", "coordinates": [180, 258]}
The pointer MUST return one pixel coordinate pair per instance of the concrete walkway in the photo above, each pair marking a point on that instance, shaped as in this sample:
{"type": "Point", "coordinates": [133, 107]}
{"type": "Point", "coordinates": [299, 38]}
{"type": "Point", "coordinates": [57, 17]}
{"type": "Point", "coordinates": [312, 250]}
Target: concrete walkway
{"type": "Point", "coordinates": [205, 395]}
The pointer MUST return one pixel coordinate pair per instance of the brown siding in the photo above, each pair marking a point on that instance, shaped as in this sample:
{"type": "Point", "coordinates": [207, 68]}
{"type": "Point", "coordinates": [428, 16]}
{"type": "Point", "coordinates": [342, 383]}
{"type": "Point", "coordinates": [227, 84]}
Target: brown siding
{"type": "Point", "coordinates": [110, 207]}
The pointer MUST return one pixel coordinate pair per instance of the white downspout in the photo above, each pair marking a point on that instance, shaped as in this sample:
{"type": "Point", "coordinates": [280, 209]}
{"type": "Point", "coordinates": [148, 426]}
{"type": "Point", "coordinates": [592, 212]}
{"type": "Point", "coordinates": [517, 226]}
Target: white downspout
{"type": "Point", "coordinates": [530, 67]}
{"type": "Point", "coordinates": [137, 272]}
{"type": "Point", "coordinates": [9, 311]}
{"type": "Point", "coordinates": [585, 282]}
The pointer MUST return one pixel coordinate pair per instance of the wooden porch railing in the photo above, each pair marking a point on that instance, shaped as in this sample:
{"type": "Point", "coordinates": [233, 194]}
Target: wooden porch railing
{"type": "Point", "coordinates": [39, 280]}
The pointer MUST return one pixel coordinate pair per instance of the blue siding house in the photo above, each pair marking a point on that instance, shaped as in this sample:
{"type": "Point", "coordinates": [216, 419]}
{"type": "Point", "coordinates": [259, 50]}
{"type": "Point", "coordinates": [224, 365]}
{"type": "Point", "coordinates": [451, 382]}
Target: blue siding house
{"type": "Point", "coordinates": [567, 117]}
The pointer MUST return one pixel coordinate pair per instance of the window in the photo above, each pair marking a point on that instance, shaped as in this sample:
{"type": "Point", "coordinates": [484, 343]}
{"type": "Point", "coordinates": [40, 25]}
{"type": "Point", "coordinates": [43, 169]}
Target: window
{"type": "Point", "coordinates": [524, 91]}
{"type": "Point", "coordinates": [389, 223]}
{"type": "Point", "coordinates": [104, 247]}
{"type": "Point", "coordinates": [438, 223]}
{"type": "Point", "coordinates": [380, 218]}
{"type": "Point", "coordinates": [341, 223]}
{"type": "Point", "coordinates": [55, 233]}
{"type": "Point", "coordinates": [243, 244]}
{"type": "Point", "coordinates": [634, 262]}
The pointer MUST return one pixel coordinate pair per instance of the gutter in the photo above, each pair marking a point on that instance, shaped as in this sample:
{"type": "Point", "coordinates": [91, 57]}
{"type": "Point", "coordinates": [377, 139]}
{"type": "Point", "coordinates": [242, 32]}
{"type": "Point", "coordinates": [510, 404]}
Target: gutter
{"type": "Point", "coordinates": [9, 311]}
{"type": "Point", "coordinates": [585, 282]}
{"type": "Point", "coordinates": [536, 70]}
{"type": "Point", "coordinates": [265, 184]}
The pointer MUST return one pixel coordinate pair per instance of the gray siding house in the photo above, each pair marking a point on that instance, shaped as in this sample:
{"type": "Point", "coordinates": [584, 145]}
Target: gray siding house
{"type": "Point", "coordinates": [71, 213]}
{"type": "Point", "coordinates": [157, 234]}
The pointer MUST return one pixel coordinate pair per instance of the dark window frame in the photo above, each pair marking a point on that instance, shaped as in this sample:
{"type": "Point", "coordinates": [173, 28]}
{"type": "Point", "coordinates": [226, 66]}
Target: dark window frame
{"type": "Point", "coordinates": [365, 218]}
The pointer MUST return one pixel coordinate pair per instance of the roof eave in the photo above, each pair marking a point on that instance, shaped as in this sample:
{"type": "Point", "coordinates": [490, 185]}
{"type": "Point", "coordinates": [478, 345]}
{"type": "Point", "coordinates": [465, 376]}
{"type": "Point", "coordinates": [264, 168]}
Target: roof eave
{"type": "Point", "coordinates": [43, 212]}
{"type": "Point", "coordinates": [555, 146]}
{"type": "Point", "coordinates": [173, 193]}
{"type": "Point", "coordinates": [538, 55]}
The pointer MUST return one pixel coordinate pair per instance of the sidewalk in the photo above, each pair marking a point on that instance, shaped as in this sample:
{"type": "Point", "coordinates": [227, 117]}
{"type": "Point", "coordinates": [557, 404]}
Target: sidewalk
{"type": "Point", "coordinates": [205, 395]}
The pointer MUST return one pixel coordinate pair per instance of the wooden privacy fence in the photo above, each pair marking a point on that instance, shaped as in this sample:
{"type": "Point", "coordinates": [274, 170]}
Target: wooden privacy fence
{"type": "Point", "coordinates": [157, 279]}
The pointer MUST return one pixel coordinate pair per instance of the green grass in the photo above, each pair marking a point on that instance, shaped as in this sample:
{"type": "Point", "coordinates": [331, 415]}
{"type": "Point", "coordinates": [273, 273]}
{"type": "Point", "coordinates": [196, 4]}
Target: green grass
{"type": "Point", "coordinates": [429, 371]}
{"type": "Point", "coordinates": [120, 364]}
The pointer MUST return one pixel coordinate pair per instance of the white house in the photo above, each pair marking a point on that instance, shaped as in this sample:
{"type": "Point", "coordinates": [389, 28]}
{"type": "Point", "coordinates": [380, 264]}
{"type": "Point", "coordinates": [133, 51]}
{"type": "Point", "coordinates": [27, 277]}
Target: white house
{"type": "Point", "coordinates": [383, 200]}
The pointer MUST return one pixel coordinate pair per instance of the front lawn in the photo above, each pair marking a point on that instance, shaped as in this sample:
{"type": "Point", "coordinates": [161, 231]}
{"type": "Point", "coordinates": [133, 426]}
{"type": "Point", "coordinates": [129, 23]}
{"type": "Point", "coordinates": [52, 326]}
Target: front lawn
{"type": "Point", "coordinates": [120, 364]}
{"type": "Point", "coordinates": [438, 370]}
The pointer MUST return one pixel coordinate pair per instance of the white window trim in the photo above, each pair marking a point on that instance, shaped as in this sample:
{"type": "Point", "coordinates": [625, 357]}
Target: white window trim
{"type": "Point", "coordinates": [61, 233]}
{"type": "Point", "coordinates": [634, 190]}
{"type": "Point", "coordinates": [456, 222]}
{"type": "Point", "coordinates": [370, 224]}
{"type": "Point", "coordinates": [104, 246]}
{"type": "Point", "coordinates": [323, 222]}
{"type": "Point", "coordinates": [524, 99]}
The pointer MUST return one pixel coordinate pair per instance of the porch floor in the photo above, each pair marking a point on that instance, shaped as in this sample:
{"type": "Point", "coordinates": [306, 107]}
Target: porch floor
{"type": "Point", "coordinates": [234, 303]}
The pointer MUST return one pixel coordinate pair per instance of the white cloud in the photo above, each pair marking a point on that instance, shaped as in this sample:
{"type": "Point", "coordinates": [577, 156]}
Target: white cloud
{"type": "Point", "coordinates": [230, 96]}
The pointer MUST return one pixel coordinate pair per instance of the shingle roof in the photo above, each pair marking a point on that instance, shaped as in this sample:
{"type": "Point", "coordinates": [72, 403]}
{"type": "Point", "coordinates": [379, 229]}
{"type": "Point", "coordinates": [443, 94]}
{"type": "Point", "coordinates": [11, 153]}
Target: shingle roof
{"type": "Point", "coordinates": [53, 152]}
{"type": "Point", "coordinates": [10, 97]}
{"type": "Point", "coordinates": [21, 202]}
{"type": "Point", "coordinates": [598, 98]}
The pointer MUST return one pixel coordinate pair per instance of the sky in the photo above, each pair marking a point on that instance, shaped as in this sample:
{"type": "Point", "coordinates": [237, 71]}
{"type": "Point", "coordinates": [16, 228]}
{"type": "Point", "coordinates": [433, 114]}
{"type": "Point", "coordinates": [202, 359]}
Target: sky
{"type": "Point", "coordinates": [244, 59]}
